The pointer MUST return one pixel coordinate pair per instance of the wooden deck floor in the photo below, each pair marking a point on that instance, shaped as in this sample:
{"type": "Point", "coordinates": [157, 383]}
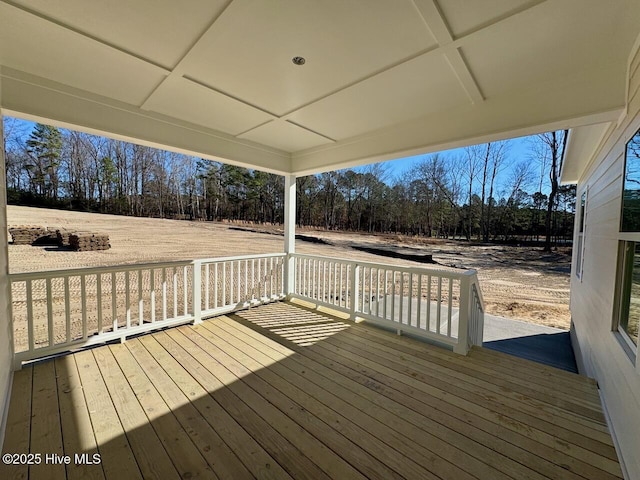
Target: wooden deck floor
{"type": "Point", "coordinates": [281, 391]}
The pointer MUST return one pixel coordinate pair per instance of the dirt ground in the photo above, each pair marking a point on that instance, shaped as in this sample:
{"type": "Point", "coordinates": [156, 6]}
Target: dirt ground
{"type": "Point", "coordinates": [517, 282]}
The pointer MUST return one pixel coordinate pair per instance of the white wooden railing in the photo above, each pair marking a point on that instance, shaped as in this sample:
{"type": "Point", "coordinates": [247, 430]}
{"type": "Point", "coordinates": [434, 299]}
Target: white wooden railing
{"type": "Point", "coordinates": [61, 310]}
{"type": "Point", "coordinates": [443, 306]}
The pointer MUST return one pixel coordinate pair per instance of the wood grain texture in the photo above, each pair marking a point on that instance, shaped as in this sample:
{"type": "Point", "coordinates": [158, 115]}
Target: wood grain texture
{"type": "Point", "coordinates": [232, 399]}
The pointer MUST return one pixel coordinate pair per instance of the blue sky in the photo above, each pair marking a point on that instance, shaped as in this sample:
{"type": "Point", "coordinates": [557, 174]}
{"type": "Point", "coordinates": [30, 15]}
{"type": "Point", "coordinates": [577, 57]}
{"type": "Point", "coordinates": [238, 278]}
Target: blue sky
{"type": "Point", "coordinates": [518, 150]}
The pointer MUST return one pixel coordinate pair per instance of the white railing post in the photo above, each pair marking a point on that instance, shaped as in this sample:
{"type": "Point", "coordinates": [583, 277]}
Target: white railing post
{"type": "Point", "coordinates": [462, 347]}
{"type": "Point", "coordinates": [353, 286]}
{"type": "Point", "coordinates": [196, 285]}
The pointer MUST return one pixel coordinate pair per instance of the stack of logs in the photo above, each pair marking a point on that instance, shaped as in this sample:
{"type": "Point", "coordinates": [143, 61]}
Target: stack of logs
{"type": "Point", "coordinates": [63, 237]}
{"type": "Point", "coordinates": [26, 234]}
{"type": "Point", "coordinates": [79, 241]}
{"type": "Point", "coordinates": [88, 242]}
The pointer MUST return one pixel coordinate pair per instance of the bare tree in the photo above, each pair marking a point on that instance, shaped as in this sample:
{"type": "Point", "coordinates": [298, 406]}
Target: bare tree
{"type": "Point", "coordinates": [554, 143]}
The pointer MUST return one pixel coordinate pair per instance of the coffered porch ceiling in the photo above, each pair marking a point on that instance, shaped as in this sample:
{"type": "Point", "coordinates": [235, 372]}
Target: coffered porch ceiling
{"type": "Point", "coordinates": [382, 78]}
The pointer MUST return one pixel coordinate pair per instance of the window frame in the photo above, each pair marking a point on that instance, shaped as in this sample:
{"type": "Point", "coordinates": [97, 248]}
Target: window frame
{"type": "Point", "coordinates": [627, 243]}
{"type": "Point", "coordinates": [626, 254]}
{"type": "Point", "coordinates": [582, 225]}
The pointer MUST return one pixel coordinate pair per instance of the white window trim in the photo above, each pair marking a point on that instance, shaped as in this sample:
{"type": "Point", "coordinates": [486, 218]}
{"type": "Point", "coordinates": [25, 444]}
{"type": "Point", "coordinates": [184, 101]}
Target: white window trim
{"type": "Point", "coordinates": [582, 234]}
{"type": "Point", "coordinates": [630, 348]}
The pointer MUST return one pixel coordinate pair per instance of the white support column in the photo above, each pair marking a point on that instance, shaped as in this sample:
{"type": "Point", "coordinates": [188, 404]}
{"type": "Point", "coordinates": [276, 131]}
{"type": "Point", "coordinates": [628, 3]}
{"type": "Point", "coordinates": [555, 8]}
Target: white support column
{"type": "Point", "coordinates": [289, 233]}
{"type": "Point", "coordinates": [6, 326]}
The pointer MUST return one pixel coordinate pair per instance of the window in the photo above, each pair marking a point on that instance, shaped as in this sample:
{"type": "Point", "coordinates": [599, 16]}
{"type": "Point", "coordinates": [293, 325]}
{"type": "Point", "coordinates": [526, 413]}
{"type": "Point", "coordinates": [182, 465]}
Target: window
{"type": "Point", "coordinates": [580, 243]}
{"type": "Point", "coordinates": [629, 292]}
{"type": "Point", "coordinates": [627, 304]}
{"type": "Point", "coordinates": [630, 219]}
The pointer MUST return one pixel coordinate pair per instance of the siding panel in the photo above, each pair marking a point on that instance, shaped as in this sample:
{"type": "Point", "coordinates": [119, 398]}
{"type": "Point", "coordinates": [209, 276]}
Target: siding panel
{"type": "Point", "coordinates": [592, 297]}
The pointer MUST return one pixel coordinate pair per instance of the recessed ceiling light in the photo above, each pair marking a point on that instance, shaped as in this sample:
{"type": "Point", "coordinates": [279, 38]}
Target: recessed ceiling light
{"type": "Point", "coordinates": [298, 60]}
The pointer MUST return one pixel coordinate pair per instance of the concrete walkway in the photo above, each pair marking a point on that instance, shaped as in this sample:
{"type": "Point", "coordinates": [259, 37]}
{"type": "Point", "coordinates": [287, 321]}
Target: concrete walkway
{"type": "Point", "coordinates": [538, 343]}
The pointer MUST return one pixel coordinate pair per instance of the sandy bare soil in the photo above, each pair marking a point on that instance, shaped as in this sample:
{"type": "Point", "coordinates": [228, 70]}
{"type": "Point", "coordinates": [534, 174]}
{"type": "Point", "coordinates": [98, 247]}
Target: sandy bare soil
{"type": "Point", "coordinates": [518, 282]}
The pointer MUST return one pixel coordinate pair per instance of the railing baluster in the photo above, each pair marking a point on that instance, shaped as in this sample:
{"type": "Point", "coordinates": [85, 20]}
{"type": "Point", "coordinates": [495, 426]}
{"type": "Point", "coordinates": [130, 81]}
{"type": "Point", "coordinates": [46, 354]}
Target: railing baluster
{"type": "Point", "coordinates": [127, 298]}
{"type": "Point", "coordinates": [428, 302]}
{"type": "Point", "coordinates": [196, 290]}
{"type": "Point", "coordinates": [314, 279]}
{"type": "Point", "coordinates": [164, 293]}
{"type": "Point", "coordinates": [206, 286]}
{"type": "Point", "coordinates": [49, 311]}
{"type": "Point", "coordinates": [231, 281]}
{"type": "Point", "coordinates": [419, 306]}
{"type": "Point", "coordinates": [334, 296]}
{"type": "Point", "coordinates": [99, 301]}
{"type": "Point", "coordinates": [281, 261]}
{"type": "Point", "coordinates": [343, 295]}
{"type": "Point", "coordinates": [30, 333]}
{"type": "Point", "coordinates": [246, 280]}
{"type": "Point", "coordinates": [450, 307]}
{"type": "Point", "coordinates": [393, 296]}
{"type": "Point", "coordinates": [363, 284]}
{"type": "Point", "coordinates": [324, 281]}
{"type": "Point", "coordinates": [224, 284]}
{"type": "Point", "coordinates": [253, 280]}
{"type": "Point", "coordinates": [410, 307]}
{"type": "Point", "coordinates": [67, 309]}
{"type": "Point", "coordinates": [271, 278]}
{"type": "Point", "coordinates": [175, 293]}
{"type": "Point", "coordinates": [216, 282]}
{"type": "Point", "coordinates": [386, 295]}
{"type": "Point", "coordinates": [185, 292]}
{"type": "Point", "coordinates": [114, 302]}
{"type": "Point", "coordinates": [260, 280]}
{"type": "Point", "coordinates": [140, 298]}
{"type": "Point", "coordinates": [370, 294]}
{"type": "Point", "coordinates": [83, 296]}
{"type": "Point", "coordinates": [152, 291]}
{"type": "Point", "coordinates": [439, 305]}
{"type": "Point", "coordinates": [378, 292]}
{"type": "Point", "coordinates": [401, 317]}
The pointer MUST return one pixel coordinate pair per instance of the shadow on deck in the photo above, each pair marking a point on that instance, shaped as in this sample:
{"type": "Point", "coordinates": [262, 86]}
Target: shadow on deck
{"type": "Point", "coordinates": [282, 391]}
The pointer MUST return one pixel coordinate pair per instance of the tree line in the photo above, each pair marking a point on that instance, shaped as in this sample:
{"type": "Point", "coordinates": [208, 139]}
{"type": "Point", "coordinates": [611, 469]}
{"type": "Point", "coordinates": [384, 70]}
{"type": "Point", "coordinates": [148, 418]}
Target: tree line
{"type": "Point", "coordinates": [478, 194]}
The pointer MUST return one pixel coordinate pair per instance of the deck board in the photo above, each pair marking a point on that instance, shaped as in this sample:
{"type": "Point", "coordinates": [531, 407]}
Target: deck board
{"type": "Point", "coordinates": [77, 431]}
{"type": "Point", "coordinates": [283, 391]}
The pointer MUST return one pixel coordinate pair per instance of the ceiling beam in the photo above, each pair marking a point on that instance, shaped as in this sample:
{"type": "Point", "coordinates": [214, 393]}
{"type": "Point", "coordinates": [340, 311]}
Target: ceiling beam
{"type": "Point", "coordinates": [178, 68]}
{"type": "Point", "coordinates": [492, 120]}
{"type": "Point", "coordinates": [437, 24]}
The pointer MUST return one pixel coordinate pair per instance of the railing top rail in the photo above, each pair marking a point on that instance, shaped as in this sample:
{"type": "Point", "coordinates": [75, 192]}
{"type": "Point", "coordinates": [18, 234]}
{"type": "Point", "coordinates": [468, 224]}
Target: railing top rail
{"type": "Point", "coordinates": [418, 270]}
{"type": "Point", "coordinates": [94, 270]}
{"type": "Point", "coordinates": [22, 276]}
{"type": "Point", "coordinates": [241, 257]}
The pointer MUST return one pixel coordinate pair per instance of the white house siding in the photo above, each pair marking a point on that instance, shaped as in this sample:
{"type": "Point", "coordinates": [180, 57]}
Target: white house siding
{"type": "Point", "coordinates": [599, 352]}
{"type": "Point", "coordinates": [6, 348]}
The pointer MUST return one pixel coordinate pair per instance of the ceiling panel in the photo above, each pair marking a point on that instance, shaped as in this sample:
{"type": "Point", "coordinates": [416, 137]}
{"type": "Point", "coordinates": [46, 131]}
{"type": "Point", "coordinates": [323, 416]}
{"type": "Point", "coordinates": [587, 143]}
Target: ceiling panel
{"type": "Point", "coordinates": [463, 16]}
{"type": "Point", "coordinates": [32, 45]}
{"type": "Point", "coordinates": [539, 52]}
{"type": "Point", "coordinates": [248, 53]}
{"type": "Point", "coordinates": [422, 86]}
{"type": "Point", "coordinates": [186, 100]}
{"type": "Point", "coordinates": [285, 136]}
{"type": "Point", "coordinates": [159, 30]}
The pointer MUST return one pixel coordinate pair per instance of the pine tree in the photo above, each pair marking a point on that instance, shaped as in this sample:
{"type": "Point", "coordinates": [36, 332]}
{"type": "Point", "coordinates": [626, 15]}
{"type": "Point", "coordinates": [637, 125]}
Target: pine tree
{"type": "Point", "coordinates": [44, 147]}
